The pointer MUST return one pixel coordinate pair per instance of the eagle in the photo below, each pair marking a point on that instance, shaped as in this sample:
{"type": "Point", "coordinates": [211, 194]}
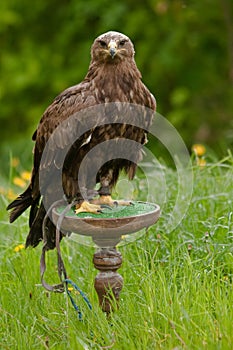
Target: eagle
{"type": "Point", "coordinates": [110, 105]}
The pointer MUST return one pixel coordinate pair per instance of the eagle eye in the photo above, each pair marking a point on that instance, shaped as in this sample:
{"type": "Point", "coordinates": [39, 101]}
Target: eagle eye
{"type": "Point", "coordinates": [122, 42]}
{"type": "Point", "coordinates": [102, 43]}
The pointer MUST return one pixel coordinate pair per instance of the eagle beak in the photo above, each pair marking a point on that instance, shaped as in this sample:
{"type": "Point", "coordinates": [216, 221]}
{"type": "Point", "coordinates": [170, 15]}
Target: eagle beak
{"type": "Point", "coordinates": [112, 48]}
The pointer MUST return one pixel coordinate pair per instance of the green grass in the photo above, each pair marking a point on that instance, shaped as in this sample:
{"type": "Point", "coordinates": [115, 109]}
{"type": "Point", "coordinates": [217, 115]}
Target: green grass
{"type": "Point", "coordinates": [178, 286]}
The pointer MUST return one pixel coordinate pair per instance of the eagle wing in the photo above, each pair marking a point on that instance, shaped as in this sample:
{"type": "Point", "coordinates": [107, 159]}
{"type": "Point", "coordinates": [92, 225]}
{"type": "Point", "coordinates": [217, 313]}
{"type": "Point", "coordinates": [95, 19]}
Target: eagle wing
{"type": "Point", "coordinates": [56, 116]}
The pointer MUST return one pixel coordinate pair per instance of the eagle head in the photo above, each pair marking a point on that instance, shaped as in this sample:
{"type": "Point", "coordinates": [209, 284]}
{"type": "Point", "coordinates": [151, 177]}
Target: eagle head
{"type": "Point", "coordinates": [112, 47]}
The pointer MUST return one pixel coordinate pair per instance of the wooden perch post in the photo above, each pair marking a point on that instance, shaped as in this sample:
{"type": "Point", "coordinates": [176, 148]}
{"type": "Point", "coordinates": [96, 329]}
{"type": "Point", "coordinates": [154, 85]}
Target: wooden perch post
{"type": "Point", "coordinates": [108, 283]}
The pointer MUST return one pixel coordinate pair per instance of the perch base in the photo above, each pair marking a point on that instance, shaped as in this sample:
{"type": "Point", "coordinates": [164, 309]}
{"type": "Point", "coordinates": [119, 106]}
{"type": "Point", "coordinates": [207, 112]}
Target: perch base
{"type": "Point", "coordinates": [108, 283]}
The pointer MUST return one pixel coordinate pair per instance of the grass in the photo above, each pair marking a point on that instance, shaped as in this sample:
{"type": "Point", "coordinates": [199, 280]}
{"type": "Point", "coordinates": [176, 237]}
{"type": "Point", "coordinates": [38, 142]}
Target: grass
{"type": "Point", "coordinates": [178, 285]}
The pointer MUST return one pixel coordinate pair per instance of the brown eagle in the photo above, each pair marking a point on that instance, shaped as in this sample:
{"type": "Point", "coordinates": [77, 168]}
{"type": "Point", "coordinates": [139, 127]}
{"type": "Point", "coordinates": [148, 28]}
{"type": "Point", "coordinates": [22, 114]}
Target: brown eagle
{"type": "Point", "coordinates": [110, 105]}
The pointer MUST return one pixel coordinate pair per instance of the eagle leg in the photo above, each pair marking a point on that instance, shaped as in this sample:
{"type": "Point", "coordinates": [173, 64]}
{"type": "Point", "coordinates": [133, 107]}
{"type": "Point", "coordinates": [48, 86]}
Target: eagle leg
{"type": "Point", "coordinates": [86, 207]}
{"type": "Point", "coordinates": [107, 200]}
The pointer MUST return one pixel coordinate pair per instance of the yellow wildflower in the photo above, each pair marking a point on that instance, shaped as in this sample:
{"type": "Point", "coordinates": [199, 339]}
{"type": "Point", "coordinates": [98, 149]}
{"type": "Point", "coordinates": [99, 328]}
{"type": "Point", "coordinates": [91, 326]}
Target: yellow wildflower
{"type": "Point", "coordinates": [26, 175]}
{"type": "Point", "coordinates": [18, 181]}
{"type": "Point", "coordinates": [14, 162]}
{"type": "Point", "coordinates": [201, 162]}
{"type": "Point", "coordinates": [70, 289]}
{"type": "Point", "coordinates": [18, 248]}
{"type": "Point", "coordinates": [11, 194]}
{"type": "Point", "coordinates": [199, 149]}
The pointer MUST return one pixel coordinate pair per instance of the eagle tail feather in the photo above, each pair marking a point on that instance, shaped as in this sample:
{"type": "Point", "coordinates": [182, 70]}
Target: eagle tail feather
{"type": "Point", "coordinates": [36, 231]}
{"type": "Point", "coordinates": [20, 204]}
{"type": "Point", "coordinates": [36, 234]}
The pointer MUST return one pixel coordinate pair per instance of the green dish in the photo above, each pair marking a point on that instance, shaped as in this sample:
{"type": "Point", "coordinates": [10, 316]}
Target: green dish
{"type": "Point", "coordinates": [137, 208]}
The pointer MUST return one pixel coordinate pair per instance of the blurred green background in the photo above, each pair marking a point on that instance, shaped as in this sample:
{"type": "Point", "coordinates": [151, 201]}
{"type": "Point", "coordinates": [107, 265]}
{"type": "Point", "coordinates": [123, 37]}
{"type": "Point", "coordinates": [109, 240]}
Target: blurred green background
{"type": "Point", "coordinates": [184, 50]}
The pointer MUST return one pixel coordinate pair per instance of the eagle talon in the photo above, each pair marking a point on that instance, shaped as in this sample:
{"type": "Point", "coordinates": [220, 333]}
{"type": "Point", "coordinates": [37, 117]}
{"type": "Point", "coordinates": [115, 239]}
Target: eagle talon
{"type": "Point", "coordinates": [124, 203]}
{"type": "Point", "coordinates": [105, 206]}
{"type": "Point", "coordinates": [108, 202]}
{"type": "Point", "coordinates": [86, 207]}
